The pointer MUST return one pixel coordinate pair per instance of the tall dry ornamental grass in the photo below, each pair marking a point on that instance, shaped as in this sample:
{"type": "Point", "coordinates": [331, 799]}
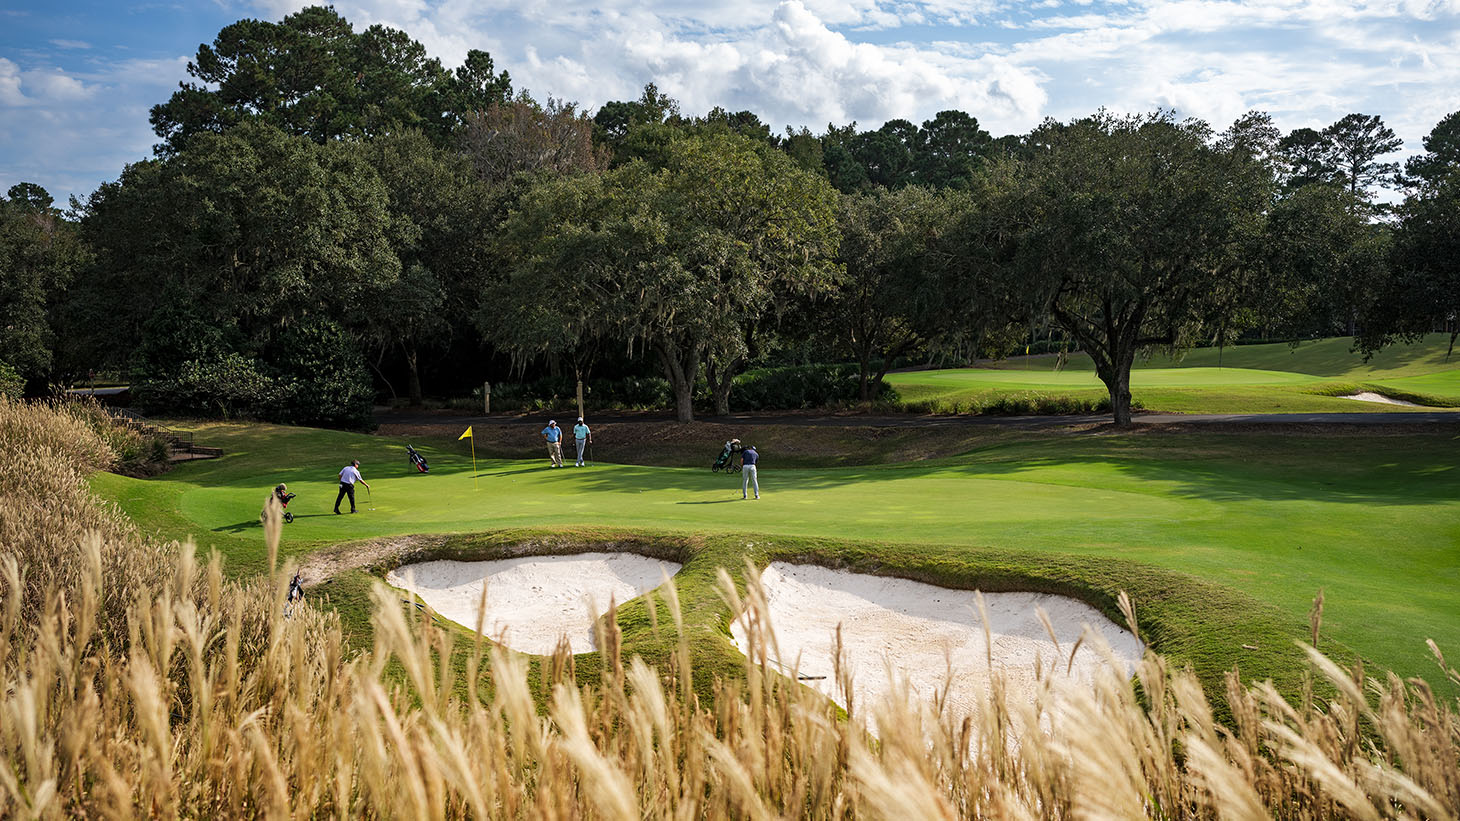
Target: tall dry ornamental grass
{"type": "Point", "coordinates": [210, 703]}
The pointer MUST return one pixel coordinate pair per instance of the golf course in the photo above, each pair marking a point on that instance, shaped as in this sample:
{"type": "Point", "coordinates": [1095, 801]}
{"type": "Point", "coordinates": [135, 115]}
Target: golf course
{"type": "Point", "coordinates": [1312, 376]}
{"type": "Point", "coordinates": [1373, 520]}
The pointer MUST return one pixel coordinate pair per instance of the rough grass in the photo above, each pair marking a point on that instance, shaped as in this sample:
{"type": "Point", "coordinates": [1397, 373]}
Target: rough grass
{"type": "Point", "coordinates": [211, 702]}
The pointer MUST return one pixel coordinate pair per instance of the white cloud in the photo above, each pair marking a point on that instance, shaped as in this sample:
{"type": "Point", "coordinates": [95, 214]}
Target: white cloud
{"type": "Point", "coordinates": [10, 94]}
{"type": "Point", "coordinates": [71, 131]}
{"type": "Point", "coordinates": [811, 62]}
{"type": "Point", "coordinates": [70, 44]}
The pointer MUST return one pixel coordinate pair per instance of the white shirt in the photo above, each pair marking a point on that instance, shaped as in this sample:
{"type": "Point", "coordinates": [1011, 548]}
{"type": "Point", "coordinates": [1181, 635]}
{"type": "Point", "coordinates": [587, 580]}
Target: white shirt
{"type": "Point", "coordinates": [350, 475]}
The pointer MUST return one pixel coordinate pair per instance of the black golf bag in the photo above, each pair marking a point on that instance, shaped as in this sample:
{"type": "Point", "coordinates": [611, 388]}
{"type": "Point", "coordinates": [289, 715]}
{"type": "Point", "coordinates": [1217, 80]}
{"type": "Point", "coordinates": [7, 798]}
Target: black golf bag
{"type": "Point", "coordinates": [726, 460]}
{"type": "Point", "coordinates": [418, 460]}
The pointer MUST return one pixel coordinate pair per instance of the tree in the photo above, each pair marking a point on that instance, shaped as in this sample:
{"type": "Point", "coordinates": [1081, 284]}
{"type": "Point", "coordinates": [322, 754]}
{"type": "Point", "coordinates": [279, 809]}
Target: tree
{"type": "Point", "coordinates": [439, 227]}
{"type": "Point", "coordinates": [519, 136]}
{"type": "Point", "coordinates": [1323, 262]}
{"type": "Point", "coordinates": [885, 237]}
{"type": "Point", "coordinates": [951, 146]}
{"type": "Point", "coordinates": [1441, 157]}
{"type": "Point", "coordinates": [616, 119]}
{"type": "Point", "coordinates": [1358, 141]}
{"type": "Point", "coordinates": [311, 75]}
{"type": "Point", "coordinates": [39, 256]}
{"type": "Point", "coordinates": [1130, 232]}
{"type": "Point", "coordinates": [888, 154]}
{"type": "Point", "coordinates": [232, 243]}
{"type": "Point", "coordinates": [1307, 157]}
{"type": "Point", "coordinates": [1424, 292]}
{"type": "Point", "coordinates": [676, 259]}
{"type": "Point", "coordinates": [844, 170]}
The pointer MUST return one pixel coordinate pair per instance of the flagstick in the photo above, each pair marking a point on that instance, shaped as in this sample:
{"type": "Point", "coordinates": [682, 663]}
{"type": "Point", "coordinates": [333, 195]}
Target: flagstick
{"type": "Point", "coordinates": [475, 480]}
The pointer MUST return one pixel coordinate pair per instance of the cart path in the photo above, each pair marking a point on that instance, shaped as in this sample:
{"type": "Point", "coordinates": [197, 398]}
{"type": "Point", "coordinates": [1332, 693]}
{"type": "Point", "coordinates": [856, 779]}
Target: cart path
{"type": "Point", "coordinates": [820, 419]}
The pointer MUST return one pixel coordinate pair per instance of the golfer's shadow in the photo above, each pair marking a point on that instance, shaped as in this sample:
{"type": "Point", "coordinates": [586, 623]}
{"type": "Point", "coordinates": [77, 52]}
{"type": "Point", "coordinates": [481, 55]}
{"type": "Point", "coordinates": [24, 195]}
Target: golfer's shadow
{"type": "Point", "coordinates": [710, 502]}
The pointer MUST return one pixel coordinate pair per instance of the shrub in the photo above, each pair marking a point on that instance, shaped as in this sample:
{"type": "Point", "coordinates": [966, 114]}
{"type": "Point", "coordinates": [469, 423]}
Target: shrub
{"type": "Point", "coordinates": [801, 386]}
{"type": "Point", "coordinates": [12, 384]}
{"type": "Point", "coordinates": [229, 385]}
{"type": "Point", "coordinates": [322, 378]}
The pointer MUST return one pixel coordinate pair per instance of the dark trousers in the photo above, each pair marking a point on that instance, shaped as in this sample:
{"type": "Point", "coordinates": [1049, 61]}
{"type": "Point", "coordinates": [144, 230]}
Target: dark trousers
{"type": "Point", "coordinates": [346, 489]}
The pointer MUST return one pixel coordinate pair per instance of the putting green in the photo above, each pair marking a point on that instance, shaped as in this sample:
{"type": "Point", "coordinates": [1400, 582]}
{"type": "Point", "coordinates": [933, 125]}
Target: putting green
{"type": "Point", "coordinates": [1374, 521]}
{"type": "Point", "coordinates": [1275, 378]}
{"type": "Point", "coordinates": [1445, 384]}
{"type": "Point", "coordinates": [964, 379]}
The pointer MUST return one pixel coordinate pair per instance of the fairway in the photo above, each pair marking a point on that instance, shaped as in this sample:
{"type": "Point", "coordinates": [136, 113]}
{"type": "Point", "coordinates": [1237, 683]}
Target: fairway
{"type": "Point", "coordinates": [976, 378]}
{"type": "Point", "coordinates": [1374, 521]}
{"type": "Point", "coordinates": [1272, 378]}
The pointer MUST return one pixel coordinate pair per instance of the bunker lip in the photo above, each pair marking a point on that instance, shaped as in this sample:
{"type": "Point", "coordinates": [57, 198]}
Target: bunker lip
{"type": "Point", "coordinates": [1371, 396]}
{"type": "Point", "coordinates": [532, 601]}
{"type": "Point", "coordinates": [933, 637]}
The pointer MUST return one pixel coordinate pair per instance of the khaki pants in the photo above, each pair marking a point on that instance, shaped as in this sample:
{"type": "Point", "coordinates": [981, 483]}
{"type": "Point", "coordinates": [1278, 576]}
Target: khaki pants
{"type": "Point", "coordinates": [555, 453]}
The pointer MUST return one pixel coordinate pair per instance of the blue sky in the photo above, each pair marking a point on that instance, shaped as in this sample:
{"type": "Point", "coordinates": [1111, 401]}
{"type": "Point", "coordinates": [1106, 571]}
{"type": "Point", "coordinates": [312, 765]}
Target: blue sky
{"type": "Point", "coordinates": [77, 78]}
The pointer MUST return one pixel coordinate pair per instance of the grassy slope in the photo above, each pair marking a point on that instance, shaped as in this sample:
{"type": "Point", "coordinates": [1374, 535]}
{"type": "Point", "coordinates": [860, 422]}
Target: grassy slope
{"type": "Point", "coordinates": [1249, 378]}
{"type": "Point", "coordinates": [1375, 521]}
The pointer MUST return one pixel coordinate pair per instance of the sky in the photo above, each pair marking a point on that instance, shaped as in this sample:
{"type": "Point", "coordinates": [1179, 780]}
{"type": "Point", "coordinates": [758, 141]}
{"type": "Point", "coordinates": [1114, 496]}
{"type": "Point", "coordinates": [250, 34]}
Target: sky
{"type": "Point", "coordinates": [77, 78]}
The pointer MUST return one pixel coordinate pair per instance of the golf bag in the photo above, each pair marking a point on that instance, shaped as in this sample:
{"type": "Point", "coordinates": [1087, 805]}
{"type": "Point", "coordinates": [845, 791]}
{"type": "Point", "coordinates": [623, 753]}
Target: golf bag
{"type": "Point", "coordinates": [418, 460]}
{"type": "Point", "coordinates": [295, 595]}
{"type": "Point", "coordinates": [726, 460]}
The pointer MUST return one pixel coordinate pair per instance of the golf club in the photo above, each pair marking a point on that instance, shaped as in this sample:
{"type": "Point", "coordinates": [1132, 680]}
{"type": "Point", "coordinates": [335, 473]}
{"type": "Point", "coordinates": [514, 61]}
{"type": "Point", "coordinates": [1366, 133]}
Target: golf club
{"type": "Point", "coordinates": [369, 499]}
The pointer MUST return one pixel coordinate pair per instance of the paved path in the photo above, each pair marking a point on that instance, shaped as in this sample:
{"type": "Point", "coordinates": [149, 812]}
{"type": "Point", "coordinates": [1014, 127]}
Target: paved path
{"type": "Point", "coordinates": [915, 421]}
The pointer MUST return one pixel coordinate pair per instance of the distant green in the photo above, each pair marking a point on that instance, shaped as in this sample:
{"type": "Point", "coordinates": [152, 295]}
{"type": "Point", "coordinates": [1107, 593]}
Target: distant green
{"type": "Point", "coordinates": [1270, 378]}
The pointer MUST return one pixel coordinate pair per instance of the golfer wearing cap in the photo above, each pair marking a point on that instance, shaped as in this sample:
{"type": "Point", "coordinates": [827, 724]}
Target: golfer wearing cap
{"type": "Point", "coordinates": [554, 436]}
{"type": "Point", "coordinates": [582, 436]}
{"type": "Point", "coordinates": [348, 477]}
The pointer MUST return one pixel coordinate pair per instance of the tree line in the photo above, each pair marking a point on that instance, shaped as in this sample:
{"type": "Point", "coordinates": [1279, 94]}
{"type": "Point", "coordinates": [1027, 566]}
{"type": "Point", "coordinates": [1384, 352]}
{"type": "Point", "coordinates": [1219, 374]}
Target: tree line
{"type": "Point", "coordinates": [331, 215]}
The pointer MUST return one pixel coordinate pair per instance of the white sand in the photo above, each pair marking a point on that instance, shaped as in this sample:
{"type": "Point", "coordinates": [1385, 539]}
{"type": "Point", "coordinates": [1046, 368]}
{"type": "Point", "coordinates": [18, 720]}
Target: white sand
{"type": "Point", "coordinates": [532, 601]}
{"type": "Point", "coordinates": [918, 631]}
{"type": "Point", "coordinates": [1370, 396]}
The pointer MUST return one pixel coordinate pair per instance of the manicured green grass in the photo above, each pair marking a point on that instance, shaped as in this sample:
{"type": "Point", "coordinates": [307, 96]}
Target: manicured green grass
{"type": "Point", "coordinates": [1372, 520]}
{"type": "Point", "coordinates": [1245, 379]}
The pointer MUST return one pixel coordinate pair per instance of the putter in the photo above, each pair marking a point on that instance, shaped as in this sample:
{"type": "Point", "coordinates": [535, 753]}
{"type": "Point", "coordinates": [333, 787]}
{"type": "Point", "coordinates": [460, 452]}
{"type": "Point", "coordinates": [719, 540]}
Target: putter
{"type": "Point", "coordinates": [369, 499]}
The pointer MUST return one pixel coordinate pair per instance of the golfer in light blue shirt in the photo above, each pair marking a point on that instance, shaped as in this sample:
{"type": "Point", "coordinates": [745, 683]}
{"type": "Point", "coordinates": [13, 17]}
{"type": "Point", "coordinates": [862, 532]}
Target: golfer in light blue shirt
{"type": "Point", "coordinates": [582, 436]}
{"type": "Point", "coordinates": [554, 436]}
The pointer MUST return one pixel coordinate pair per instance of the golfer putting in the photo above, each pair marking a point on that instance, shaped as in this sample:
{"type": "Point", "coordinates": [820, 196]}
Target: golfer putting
{"type": "Point", "coordinates": [348, 477]}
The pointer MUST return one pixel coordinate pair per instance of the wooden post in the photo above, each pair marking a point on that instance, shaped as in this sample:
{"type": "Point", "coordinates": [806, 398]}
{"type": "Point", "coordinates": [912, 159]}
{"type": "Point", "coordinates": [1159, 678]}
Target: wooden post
{"type": "Point", "coordinates": [486, 398]}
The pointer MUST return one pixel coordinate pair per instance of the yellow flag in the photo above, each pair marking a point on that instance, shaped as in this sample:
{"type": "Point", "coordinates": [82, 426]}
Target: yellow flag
{"type": "Point", "coordinates": [466, 435]}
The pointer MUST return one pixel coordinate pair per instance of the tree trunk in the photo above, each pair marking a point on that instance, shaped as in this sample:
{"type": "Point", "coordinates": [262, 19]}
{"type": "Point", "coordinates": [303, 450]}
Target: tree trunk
{"type": "Point", "coordinates": [1115, 373]}
{"type": "Point", "coordinates": [680, 368]}
{"type": "Point", "coordinates": [722, 381]}
{"type": "Point", "coordinates": [414, 383]}
{"type": "Point", "coordinates": [864, 386]}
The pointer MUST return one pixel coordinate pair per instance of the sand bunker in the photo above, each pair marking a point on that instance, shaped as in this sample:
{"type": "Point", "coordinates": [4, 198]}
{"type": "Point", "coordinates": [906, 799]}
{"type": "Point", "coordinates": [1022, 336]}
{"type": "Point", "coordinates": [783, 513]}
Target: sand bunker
{"type": "Point", "coordinates": [1370, 396]}
{"type": "Point", "coordinates": [919, 631]}
{"type": "Point", "coordinates": [532, 601]}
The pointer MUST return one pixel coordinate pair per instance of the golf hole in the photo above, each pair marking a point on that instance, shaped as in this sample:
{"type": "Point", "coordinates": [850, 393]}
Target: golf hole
{"type": "Point", "coordinates": [931, 637]}
{"type": "Point", "coordinates": [534, 600]}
